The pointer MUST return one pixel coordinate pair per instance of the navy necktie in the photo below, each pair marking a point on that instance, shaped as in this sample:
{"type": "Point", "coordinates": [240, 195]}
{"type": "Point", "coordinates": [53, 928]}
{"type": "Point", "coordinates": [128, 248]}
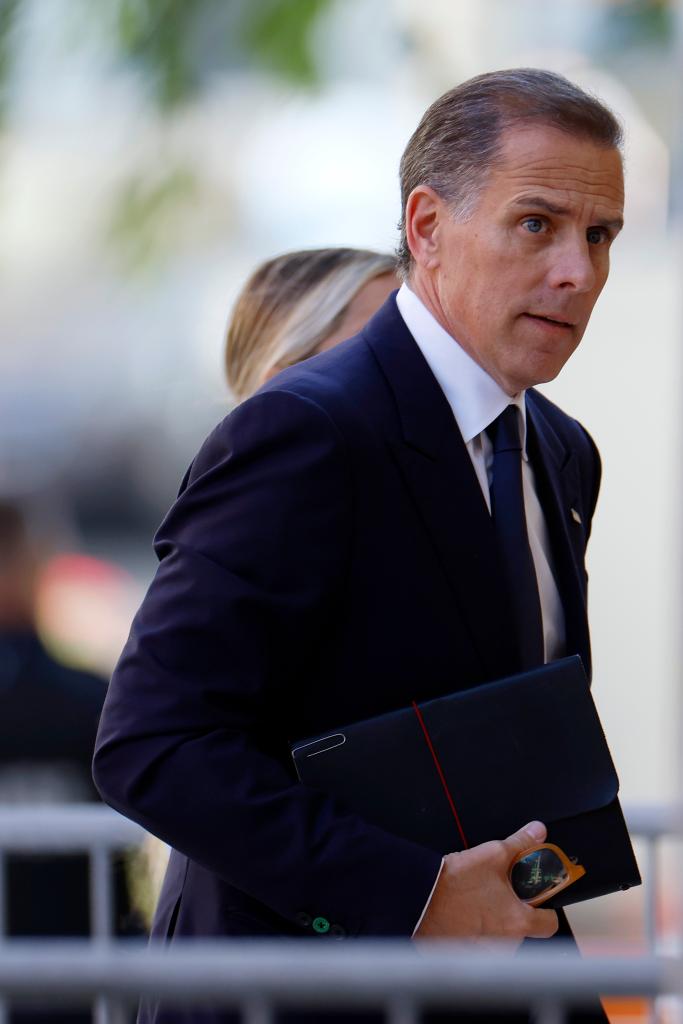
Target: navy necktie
{"type": "Point", "coordinates": [509, 521]}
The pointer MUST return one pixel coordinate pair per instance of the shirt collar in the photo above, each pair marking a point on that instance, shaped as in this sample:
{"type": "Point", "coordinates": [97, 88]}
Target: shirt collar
{"type": "Point", "coordinates": [475, 397]}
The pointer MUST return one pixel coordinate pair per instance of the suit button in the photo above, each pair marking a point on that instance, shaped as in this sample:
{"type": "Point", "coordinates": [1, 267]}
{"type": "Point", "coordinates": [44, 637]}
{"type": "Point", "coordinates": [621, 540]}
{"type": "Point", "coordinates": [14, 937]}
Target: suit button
{"type": "Point", "coordinates": [304, 920]}
{"type": "Point", "coordinates": [337, 932]}
{"type": "Point", "coordinates": [321, 925]}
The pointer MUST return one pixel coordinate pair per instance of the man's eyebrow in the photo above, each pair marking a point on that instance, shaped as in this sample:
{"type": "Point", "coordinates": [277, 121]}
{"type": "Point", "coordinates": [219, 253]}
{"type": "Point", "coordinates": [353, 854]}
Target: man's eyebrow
{"type": "Point", "coordinates": [539, 202]}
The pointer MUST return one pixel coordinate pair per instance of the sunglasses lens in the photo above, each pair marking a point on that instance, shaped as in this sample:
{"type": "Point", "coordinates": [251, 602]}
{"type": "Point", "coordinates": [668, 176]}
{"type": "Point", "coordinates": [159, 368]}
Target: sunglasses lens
{"type": "Point", "coordinates": [538, 872]}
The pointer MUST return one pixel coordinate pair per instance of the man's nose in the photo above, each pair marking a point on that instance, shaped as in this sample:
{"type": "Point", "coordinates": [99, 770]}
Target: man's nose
{"type": "Point", "coordinates": [573, 267]}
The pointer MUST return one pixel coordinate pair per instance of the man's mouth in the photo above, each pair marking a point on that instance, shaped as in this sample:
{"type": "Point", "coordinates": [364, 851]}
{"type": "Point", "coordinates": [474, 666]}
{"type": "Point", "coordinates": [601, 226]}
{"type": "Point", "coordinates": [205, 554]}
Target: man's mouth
{"type": "Point", "coordinates": [554, 320]}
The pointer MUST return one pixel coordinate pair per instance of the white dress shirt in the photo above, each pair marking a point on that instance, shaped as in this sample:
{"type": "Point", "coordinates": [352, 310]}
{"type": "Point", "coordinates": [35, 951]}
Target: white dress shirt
{"type": "Point", "coordinates": [477, 400]}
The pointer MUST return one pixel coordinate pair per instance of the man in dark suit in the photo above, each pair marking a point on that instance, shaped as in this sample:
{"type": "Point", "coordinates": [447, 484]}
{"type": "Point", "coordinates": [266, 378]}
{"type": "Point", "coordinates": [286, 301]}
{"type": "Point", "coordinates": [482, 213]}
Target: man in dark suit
{"type": "Point", "coordinates": [339, 544]}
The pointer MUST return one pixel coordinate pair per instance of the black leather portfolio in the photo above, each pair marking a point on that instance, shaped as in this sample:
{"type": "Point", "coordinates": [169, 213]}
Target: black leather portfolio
{"type": "Point", "coordinates": [478, 764]}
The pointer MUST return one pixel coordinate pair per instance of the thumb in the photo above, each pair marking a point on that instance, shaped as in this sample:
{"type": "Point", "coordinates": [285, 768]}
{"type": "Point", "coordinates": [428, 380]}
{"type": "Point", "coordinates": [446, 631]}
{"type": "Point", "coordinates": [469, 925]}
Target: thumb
{"type": "Point", "coordinates": [530, 835]}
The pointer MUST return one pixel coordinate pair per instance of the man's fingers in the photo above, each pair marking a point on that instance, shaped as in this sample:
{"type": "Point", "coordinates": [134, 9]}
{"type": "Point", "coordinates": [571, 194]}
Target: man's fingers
{"type": "Point", "coordinates": [542, 923]}
{"type": "Point", "coordinates": [530, 835]}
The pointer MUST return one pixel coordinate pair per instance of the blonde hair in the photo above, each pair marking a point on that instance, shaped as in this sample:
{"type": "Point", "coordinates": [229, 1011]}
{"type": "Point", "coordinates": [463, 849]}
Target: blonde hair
{"type": "Point", "coordinates": [290, 305]}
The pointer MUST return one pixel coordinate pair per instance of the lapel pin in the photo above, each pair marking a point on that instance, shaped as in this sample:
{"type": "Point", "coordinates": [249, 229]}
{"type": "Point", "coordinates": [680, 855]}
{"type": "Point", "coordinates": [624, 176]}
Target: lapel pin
{"type": "Point", "coordinates": [576, 517]}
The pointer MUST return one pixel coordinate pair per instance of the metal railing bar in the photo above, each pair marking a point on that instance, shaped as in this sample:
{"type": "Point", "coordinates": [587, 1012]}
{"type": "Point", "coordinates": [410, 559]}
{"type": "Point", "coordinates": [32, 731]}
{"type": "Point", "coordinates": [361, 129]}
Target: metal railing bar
{"type": "Point", "coordinates": [295, 973]}
{"type": "Point", "coordinates": [257, 1010]}
{"type": "Point", "coordinates": [402, 1011]}
{"type": "Point", "coordinates": [654, 820]}
{"type": "Point", "coordinates": [549, 1012]}
{"type": "Point", "coordinates": [3, 894]}
{"type": "Point", "coordinates": [101, 908]}
{"type": "Point", "coordinates": [651, 889]}
{"type": "Point", "coordinates": [101, 1011]}
{"type": "Point", "coordinates": [69, 828]}
{"type": "Point", "coordinates": [109, 1011]}
{"type": "Point", "coordinates": [4, 1017]}
{"type": "Point", "coordinates": [78, 826]}
{"type": "Point", "coordinates": [119, 1013]}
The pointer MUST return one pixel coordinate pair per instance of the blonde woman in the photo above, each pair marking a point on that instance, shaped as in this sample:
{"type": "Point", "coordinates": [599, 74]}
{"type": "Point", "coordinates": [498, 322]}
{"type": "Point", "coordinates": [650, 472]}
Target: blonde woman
{"type": "Point", "coordinates": [299, 304]}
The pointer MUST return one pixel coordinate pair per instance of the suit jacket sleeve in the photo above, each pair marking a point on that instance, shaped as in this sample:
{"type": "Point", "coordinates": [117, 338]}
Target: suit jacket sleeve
{"type": "Point", "coordinates": [191, 745]}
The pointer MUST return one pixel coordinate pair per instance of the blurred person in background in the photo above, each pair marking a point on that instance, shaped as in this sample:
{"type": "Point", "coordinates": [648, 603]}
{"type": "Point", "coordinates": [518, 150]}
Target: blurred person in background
{"type": "Point", "coordinates": [48, 722]}
{"type": "Point", "coordinates": [333, 552]}
{"type": "Point", "coordinates": [301, 303]}
{"type": "Point", "coordinates": [48, 711]}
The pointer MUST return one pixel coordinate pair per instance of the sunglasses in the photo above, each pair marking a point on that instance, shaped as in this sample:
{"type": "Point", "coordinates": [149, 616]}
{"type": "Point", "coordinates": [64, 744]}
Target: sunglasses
{"type": "Point", "coordinates": [540, 872]}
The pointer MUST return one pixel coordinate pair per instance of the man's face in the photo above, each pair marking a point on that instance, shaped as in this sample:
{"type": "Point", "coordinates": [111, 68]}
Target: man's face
{"type": "Point", "coordinates": [517, 282]}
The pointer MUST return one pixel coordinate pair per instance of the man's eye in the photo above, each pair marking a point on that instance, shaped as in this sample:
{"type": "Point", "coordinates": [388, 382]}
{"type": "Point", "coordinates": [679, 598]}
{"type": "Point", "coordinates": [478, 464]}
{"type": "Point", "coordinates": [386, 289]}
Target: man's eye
{"type": "Point", "coordinates": [597, 235]}
{"type": "Point", "coordinates": [533, 224]}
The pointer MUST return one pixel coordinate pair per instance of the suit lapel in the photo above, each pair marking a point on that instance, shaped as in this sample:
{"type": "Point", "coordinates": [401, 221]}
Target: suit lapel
{"type": "Point", "coordinates": [438, 471]}
{"type": "Point", "coordinates": [557, 484]}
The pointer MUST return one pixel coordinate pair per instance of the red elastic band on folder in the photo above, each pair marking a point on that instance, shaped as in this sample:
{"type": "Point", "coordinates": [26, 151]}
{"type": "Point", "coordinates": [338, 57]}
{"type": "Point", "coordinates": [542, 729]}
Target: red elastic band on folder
{"type": "Point", "coordinates": [420, 719]}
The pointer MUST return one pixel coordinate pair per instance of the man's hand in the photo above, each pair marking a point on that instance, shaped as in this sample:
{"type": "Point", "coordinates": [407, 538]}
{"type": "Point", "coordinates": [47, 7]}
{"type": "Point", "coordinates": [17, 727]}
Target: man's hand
{"type": "Point", "coordinates": [473, 898]}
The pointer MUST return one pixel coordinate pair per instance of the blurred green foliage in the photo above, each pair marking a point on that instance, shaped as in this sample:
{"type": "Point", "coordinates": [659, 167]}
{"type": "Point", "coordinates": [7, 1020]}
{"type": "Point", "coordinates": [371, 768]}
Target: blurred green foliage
{"type": "Point", "coordinates": [146, 212]}
{"type": "Point", "coordinates": [631, 23]}
{"type": "Point", "coordinates": [9, 10]}
{"type": "Point", "coordinates": [177, 44]}
{"type": "Point", "coordinates": [152, 34]}
{"type": "Point", "coordinates": [175, 47]}
{"type": "Point", "coordinates": [278, 34]}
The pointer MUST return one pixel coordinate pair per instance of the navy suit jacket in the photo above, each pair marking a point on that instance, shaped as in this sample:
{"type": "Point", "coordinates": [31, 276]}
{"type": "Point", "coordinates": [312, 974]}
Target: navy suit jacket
{"type": "Point", "coordinates": [330, 556]}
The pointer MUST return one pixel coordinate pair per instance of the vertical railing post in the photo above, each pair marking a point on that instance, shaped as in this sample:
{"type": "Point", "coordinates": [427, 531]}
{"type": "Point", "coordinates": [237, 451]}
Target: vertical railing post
{"type": "Point", "coordinates": [402, 1011]}
{"type": "Point", "coordinates": [3, 924]}
{"type": "Point", "coordinates": [651, 889]}
{"type": "Point", "coordinates": [101, 917]}
{"type": "Point", "coordinates": [101, 902]}
{"type": "Point", "coordinates": [549, 1012]}
{"type": "Point", "coordinates": [677, 227]}
{"type": "Point", "coordinates": [257, 1010]}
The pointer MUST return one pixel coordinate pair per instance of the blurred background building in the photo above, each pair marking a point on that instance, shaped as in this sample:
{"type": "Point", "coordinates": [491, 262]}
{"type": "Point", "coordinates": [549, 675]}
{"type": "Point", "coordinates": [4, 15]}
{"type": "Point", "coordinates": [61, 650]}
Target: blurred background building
{"type": "Point", "coordinates": [153, 151]}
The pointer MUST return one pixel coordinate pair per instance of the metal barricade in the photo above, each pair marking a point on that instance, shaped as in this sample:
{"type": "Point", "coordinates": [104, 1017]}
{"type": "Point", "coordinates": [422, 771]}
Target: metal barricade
{"type": "Point", "coordinates": [259, 976]}
{"type": "Point", "coordinates": [99, 832]}
{"type": "Point", "coordinates": [396, 976]}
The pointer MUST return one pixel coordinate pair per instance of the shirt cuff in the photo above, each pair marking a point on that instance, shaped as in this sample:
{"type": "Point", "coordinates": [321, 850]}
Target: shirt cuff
{"type": "Point", "coordinates": [429, 899]}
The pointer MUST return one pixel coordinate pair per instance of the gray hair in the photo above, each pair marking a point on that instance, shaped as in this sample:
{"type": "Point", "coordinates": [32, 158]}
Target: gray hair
{"type": "Point", "coordinates": [457, 142]}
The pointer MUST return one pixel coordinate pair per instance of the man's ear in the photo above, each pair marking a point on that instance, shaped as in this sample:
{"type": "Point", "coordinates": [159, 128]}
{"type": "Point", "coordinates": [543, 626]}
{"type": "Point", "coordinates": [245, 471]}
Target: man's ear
{"type": "Point", "coordinates": [424, 211]}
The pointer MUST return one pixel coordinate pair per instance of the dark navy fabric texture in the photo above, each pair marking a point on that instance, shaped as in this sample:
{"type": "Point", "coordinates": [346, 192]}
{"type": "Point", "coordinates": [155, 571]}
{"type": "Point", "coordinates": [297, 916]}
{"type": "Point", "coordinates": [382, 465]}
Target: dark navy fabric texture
{"type": "Point", "coordinates": [330, 557]}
